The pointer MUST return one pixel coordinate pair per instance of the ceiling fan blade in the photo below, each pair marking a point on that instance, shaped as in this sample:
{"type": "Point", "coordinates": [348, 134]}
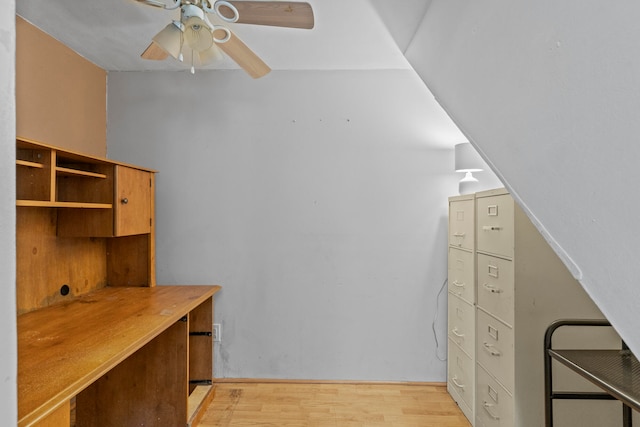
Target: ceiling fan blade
{"type": "Point", "coordinates": [155, 3]}
{"type": "Point", "coordinates": [155, 52]}
{"type": "Point", "coordinates": [272, 13]}
{"type": "Point", "coordinates": [243, 56]}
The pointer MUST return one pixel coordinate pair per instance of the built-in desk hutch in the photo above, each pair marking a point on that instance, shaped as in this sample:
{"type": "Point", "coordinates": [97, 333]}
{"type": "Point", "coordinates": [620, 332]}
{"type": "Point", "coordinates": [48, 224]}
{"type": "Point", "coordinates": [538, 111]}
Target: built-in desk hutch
{"type": "Point", "coordinates": [99, 344]}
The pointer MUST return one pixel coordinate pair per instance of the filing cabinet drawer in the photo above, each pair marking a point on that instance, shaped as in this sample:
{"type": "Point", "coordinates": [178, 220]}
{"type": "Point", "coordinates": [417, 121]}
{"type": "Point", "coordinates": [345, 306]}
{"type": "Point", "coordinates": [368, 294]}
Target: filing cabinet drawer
{"type": "Point", "coordinates": [495, 348]}
{"type": "Point", "coordinates": [496, 287]}
{"type": "Point", "coordinates": [461, 273]}
{"type": "Point", "coordinates": [494, 405]}
{"type": "Point", "coordinates": [495, 225]}
{"type": "Point", "coordinates": [461, 324]}
{"type": "Point", "coordinates": [461, 223]}
{"type": "Point", "coordinates": [461, 374]}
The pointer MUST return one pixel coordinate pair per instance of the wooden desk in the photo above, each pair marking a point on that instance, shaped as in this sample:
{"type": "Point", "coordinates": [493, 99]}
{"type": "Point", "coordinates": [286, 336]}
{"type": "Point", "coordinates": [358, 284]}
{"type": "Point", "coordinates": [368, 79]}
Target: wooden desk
{"type": "Point", "coordinates": [123, 352]}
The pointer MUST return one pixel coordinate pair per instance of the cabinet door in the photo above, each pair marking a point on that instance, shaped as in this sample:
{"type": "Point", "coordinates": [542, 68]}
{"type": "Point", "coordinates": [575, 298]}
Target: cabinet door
{"type": "Point", "coordinates": [133, 201]}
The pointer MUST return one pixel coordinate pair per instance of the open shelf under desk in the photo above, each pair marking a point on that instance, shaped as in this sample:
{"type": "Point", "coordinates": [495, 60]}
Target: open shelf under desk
{"type": "Point", "coordinates": [65, 348]}
{"type": "Point", "coordinates": [48, 204]}
{"type": "Point", "coordinates": [615, 371]}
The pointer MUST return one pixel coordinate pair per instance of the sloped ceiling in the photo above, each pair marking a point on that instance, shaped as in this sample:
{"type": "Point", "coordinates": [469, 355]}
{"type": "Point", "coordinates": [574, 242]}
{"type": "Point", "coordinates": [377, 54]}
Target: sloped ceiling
{"type": "Point", "coordinates": [348, 35]}
{"type": "Point", "coordinates": [359, 35]}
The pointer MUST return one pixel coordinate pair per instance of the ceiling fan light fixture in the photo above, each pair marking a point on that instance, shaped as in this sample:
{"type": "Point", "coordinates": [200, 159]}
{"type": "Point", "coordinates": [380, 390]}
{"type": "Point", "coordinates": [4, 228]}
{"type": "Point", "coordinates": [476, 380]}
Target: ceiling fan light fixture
{"type": "Point", "coordinates": [154, 3]}
{"type": "Point", "coordinates": [170, 38]}
{"type": "Point", "coordinates": [197, 35]}
{"type": "Point", "coordinates": [210, 55]}
{"type": "Point", "coordinates": [189, 10]}
{"type": "Point", "coordinates": [221, 34]}
{"type": "Point", "coordinates": [224, 13]}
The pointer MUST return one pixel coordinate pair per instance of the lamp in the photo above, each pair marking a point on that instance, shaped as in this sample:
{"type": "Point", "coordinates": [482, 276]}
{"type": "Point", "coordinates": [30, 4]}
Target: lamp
{"type": "Point", "coordinates": [468, 161]}
{"type": "Point", "coordinates": [170, 39]}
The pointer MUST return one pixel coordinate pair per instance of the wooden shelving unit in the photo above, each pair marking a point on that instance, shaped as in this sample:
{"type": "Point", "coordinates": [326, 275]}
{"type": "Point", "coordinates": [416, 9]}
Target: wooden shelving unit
{"type": "Point", "coordinates": [92, 326]}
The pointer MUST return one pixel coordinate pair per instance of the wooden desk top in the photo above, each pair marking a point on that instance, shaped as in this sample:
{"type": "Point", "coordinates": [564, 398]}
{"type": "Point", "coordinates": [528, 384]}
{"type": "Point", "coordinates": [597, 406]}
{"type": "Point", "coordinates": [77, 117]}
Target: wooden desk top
{"type": "Point", "coordinates": [64, 348]}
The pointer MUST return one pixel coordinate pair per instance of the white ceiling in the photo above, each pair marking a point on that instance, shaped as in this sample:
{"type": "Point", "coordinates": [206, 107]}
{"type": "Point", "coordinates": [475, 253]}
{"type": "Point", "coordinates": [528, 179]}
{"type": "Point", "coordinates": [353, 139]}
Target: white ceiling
{"type": "Point", "coordinates": [348, 34]}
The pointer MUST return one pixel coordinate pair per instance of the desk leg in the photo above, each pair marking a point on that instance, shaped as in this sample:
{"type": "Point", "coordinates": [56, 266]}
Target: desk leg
{"type": "Point", "coordinates": [148, 388]}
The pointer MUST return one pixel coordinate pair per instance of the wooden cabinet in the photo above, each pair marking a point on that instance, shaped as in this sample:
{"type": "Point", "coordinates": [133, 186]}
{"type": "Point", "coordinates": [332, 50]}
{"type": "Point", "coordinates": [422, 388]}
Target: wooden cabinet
{"type": "Point", "coordinates": [104, 198]}
{"type": "Point", "coordinates": [130, 193]}
{"type": "Point", "coordinates": [133, 200]}
{"type": "Point", "coordinates": [92, 325]}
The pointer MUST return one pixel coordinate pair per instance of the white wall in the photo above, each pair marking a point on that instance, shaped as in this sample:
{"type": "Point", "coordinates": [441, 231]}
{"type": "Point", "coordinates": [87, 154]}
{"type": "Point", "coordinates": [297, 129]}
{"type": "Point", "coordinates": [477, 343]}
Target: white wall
{"type": "Point", "coordinates": [8, 356]}
{"type": "Point", "coordinates": [550, 93]}
{"type": "Point", "coordinates": [314, 198]}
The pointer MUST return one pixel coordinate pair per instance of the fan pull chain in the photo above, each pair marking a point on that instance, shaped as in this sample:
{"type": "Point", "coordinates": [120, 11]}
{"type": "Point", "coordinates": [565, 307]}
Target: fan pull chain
{"type": "Point", "coordinates": [193, 69]}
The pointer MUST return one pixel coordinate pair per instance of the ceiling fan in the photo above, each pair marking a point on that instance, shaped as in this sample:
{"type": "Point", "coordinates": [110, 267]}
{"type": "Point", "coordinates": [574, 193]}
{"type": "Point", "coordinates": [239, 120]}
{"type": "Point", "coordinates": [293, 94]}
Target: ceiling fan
{"type": "Point", "coordinates": [197, 39]}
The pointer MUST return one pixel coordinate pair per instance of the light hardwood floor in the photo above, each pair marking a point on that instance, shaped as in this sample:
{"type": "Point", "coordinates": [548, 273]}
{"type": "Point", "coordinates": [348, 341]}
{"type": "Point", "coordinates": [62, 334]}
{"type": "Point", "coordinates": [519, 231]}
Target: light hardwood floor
{"type": "Point", "coordinates": [285, 404]}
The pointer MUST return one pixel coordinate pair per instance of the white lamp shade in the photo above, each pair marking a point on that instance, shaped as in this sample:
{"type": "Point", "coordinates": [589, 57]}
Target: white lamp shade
{"type": "Point", "coordinates": [467, 158]}
{"type": "Point", "coordinates": [197, 35]}
{"type": "Point", "coordinates": [170, 39]}
{"type": "Point", "coordinates": [210, 55]}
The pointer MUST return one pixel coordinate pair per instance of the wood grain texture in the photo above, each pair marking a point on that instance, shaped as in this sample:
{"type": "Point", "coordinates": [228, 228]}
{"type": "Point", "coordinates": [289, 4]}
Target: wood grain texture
{"type": "Point", "coordinates": [128, 261]}
{"type": "Point", "coordinates": [243, 56]}
{"type": "Point", "coordinates": [46, 262]}
{"type": "Point", "coordinates": [149, 388]}
{"type": "Point", "coordinates": [201, 346]}
{"type": "Point", "coordinates": [154, 52]}
{"type": "Point", "coordinates": [335, 405]}
{"type": "Point", "coordinates": [33, 183]}
{"type": "Point", "coordinates": [64, 348]}
{"type": "Point", "coordinates": [276, 14]}
{"type": "Point", "coordinates": [199, 400]}
{"type": "Point", "coordinates": [133, 201]}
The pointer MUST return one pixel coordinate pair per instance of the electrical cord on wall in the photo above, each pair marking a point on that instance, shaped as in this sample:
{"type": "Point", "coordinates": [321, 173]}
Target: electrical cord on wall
{"type": "Point", "coordinates": [435, 319]}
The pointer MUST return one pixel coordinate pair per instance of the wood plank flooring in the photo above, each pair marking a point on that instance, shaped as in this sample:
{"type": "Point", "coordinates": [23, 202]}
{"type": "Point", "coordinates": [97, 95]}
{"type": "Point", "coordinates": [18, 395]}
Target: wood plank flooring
{"type": "Point", "coordinates": [285, 404]}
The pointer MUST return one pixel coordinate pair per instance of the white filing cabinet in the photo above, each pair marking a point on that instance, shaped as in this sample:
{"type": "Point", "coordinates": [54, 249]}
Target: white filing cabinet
{"type": "Point", "coordinates": [522, 286]}
{"type": "Point", "coordinates": [461, 306]}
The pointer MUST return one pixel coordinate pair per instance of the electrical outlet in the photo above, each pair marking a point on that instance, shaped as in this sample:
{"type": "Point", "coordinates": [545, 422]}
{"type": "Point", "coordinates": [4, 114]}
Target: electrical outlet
{"type": "Point", "coordinates": [217, 332]}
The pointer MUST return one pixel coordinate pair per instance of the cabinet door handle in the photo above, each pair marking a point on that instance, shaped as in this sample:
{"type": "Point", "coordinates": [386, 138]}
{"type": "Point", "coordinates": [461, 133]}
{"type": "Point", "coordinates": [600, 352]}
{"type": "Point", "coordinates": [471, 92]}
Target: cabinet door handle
{"type": "Point", "coordinates": [490, 348]}
{"type": "Point", "coordinates": [486, 405]}
{"type": "Point", "coordinates": [491, 228]}
{"type": "Point", "coordinates": [124, 201]}
{"type": "Point", "coordinates": [492, 288]}
{"type": "Point", "coordinates": [455, 332]}
{"type": "Point", "coordinates": [457, 384]}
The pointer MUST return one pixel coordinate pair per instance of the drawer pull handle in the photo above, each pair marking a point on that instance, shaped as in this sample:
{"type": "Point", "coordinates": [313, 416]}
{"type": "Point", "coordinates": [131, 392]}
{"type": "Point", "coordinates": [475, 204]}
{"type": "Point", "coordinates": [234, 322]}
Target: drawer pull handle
{"type": "Point", "coordinates": [457, 384]}
{"type": "Point", "coordinates": [458, 284]}
{"type": "Point", "coordinates": [492, 288]}
{"type": "Point", "coordinates": [486, 405]}
{"type": "Point", "coordinates": [459, 234]}
{"type": "Point", "coordinates": [492, 351]}
{"type": "Point", "coordinates": [491, 228]}
{"type": "Point", "coordinates": [455, 332]}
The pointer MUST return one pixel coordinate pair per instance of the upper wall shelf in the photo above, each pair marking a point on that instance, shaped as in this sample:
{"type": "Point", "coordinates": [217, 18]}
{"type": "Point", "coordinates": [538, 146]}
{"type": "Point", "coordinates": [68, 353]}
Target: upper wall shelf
{"type": "Point", "coordinates": [29, 164]}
